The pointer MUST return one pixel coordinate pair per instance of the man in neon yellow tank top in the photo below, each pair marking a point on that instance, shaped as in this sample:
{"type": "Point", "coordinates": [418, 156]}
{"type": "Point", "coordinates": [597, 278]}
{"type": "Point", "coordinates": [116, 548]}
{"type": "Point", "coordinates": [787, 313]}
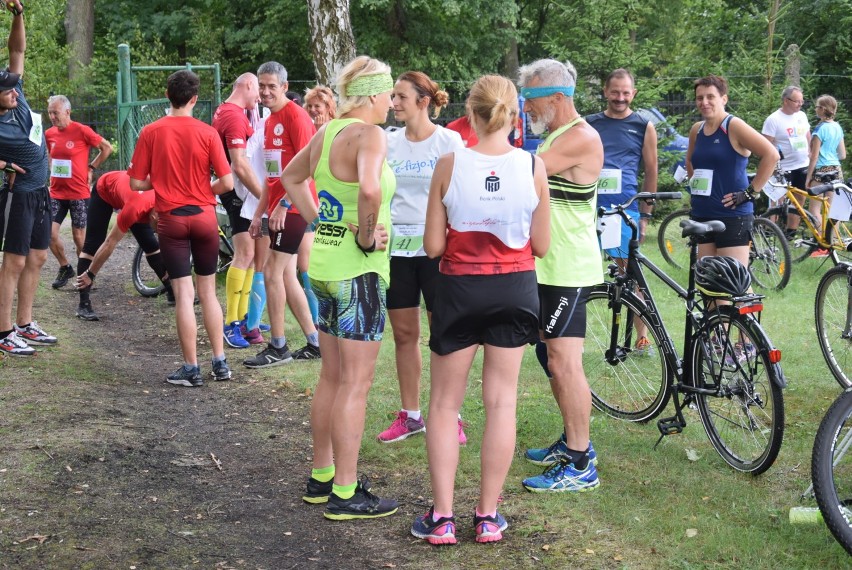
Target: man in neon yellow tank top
{"type": "Point", "coordinates": [573, 156]}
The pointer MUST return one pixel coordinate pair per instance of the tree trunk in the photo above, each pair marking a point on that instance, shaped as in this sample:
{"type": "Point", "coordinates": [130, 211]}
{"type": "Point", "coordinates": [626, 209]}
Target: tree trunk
{"type": "Point", "coordinates": [79, 30]}
{"type": "Point", "coordinates": [332, 41]}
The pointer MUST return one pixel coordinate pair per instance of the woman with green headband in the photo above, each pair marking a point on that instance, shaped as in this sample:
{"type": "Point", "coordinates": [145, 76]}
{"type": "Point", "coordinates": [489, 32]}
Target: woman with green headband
{"type": "Point", "coordinates": [349, 271]}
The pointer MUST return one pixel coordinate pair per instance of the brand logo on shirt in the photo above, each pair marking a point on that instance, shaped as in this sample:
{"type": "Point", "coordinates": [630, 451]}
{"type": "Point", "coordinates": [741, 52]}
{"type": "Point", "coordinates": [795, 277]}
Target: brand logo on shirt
{"type": "Point", "coordinates": [278, 130]}
{"type": "Point", "coordinates": [237, 141]}
{"type": "Point", "coordinates": [716, 141]}
{"type": "Point", "coordinates": [69, 144]}
{"type": "Point", "coordinates": [277, 142]}
{"type": "Point", "coordinates": [492, 183]}
{"type": "Point", "coordinates": [330, 208]}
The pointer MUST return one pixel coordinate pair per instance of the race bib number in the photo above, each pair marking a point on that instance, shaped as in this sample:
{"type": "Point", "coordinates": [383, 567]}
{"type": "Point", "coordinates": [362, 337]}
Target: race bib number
{"type": "Point", "coordinates": [799, 143]}
{"type": "Point", "coordinates": [702, 182]}
{"type": "Point", "coordinates": [609, 229]}
{"type": "Point", "coordinates": [272, 160]}
{"type": "Point", "coordinates": [609, 181]}
{"type": "Point", "coordinates": [774, 188]}
{"type": "Point", "coordinates": [60, 168]}
{"type": "Point", "coordinates": [37, 131]}
{"type": "Point", "coordinates": [407, 240]}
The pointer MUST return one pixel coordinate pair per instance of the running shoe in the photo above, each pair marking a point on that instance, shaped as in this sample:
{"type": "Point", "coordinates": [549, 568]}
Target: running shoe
{"type": "Point", "coordinates": [438, 532]}
{"type": "Point", "coordinates": [254, 336]}
{"type": "Point", "coordinates": [170, 296]}
{"type": "Point", "coordinates": [262, 326]}
{"type": "Point", "coordinates": [462, 435]}
{"type": "Point", "coordinates": [643, 347]}
{"type": "Point", "coordinates": [269, 356]}
{"type": "Point", "coordinates": [401, 428]}
{"type": "Point", "coordinates": [189, 377]}
{"type": "Point", "coordinates": [233, 336]}
{"type": "Point", "coordinates": [557, 450]}
{"type": "Point", "coordinates": [33, 334]}
{"type": "Point", "coordinates": [362, 505]}
{"type": "Point", "coordinates": [820, 253]}
{"type": "Point", "coordinates": [14, 345]}
{"type": "Point", "coordinates": [489, 529]}
{"type": "Point", "coordinates": [85, 312]}
{"type": "Point", "coordinates": [65, 273]}
{"type": "Point", "coordinates": [561, 477]}
{"type": "Point", "coordinates": [221, 371]}
{"type": "Point", "coordinates": [317, 491]}
{"type": "Point", "coordinates": [307, 352]}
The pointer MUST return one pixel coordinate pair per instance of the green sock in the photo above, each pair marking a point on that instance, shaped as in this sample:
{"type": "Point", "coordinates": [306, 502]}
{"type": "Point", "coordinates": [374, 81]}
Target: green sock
{"type": "Point", "coordinates": [324, 474]}
{"type": "Point", "coordinates": [344, 491]}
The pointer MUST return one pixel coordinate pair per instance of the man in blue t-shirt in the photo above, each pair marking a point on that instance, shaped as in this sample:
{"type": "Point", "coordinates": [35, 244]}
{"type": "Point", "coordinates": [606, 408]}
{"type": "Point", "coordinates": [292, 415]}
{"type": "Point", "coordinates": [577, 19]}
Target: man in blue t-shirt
{"type": "Point", "coordinates": [629, 141]}
{"type": "Point", "coordinates": [24, 201]}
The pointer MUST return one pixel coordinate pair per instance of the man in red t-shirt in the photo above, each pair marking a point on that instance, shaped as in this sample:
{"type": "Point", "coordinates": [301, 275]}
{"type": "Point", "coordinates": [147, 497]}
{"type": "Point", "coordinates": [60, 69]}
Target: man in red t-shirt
{"type": "Point", "coordinates": [184, 150]}
{"type": "Point", "coordinates": [287, 130]}
{"type": "Point", "coordinates": [234, 129]}
{"type": "Point", "coordinates": [113, 192]}
{"type": "Point", "coordinates": [68, 144]}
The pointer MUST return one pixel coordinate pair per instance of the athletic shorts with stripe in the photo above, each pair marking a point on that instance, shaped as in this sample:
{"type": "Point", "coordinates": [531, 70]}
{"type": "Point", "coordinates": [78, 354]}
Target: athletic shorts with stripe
{"type": "Point", "coordinates": [563, 311]}
{"type": "Point", "coordinates": [352, 309]}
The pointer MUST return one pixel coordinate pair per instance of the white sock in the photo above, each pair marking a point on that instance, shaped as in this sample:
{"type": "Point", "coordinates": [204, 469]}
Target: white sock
{"type": "Point", "coordinates": [413, 414]}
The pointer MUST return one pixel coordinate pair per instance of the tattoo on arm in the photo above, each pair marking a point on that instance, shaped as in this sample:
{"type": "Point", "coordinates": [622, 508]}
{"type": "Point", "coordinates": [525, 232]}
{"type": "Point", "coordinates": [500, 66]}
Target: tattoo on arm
{"type": "Point", "coordinates": [371, 225]}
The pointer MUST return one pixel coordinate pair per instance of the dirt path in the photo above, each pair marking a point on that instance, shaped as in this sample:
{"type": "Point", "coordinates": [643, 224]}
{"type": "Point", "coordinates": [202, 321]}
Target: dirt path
{"type": "Point", "coordinates": [102, 465]}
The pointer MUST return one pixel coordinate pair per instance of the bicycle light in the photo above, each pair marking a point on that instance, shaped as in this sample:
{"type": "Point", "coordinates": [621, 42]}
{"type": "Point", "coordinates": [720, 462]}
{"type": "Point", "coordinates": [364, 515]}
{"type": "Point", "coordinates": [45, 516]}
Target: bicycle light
{"type": "Point", "coordinates": [774, 356]}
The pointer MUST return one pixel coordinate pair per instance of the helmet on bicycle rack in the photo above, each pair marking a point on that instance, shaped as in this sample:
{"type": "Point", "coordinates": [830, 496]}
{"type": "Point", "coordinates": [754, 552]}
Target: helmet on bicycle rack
{"type": "Point", "coordinates": [720, 276]}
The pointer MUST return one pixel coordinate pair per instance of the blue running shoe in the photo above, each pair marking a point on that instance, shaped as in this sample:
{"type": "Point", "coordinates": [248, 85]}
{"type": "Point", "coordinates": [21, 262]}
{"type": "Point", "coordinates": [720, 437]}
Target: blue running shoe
{"type": "Point", "coordinates": [234, 337]}
{"type": "Point", "coordinates": [489, 529]}
{"type": "Point", "coordinates": [561, 477]}
{"type": "Point", "coordinates": [552, 454]}
{"type": "Point", "coordinates": [438, 532]}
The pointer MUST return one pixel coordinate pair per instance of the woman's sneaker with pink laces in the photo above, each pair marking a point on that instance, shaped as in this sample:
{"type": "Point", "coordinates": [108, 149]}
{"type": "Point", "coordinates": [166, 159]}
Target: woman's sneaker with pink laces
{"type": "Point", "coordinates": [401, 428]}
{"type": "Point", "coordinates": [489, 529]}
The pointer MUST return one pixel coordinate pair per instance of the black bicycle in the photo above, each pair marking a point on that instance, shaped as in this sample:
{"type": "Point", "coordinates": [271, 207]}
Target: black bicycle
{"type": "Point", "coordinates": [730, 371]}
{"type": "Point", "coordinates": [149, 285]}
{"type": "Point", "coordinates": [831, 472]}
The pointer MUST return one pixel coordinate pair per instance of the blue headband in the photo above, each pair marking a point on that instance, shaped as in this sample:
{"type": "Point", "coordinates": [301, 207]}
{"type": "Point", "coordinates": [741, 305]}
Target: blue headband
{"type": "Point", "coordinates": [534, 92]}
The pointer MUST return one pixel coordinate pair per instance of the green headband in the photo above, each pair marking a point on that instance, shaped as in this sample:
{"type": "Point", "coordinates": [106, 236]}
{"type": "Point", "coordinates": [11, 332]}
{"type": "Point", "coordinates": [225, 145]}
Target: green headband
{"type": "Point", "coordinates": [367, 85]}
{"type": "Point", "coordinates": [534, 92]}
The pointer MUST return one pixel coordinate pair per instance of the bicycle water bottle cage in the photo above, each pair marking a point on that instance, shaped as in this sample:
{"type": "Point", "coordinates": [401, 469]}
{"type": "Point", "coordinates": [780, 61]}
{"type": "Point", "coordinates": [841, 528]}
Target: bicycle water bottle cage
{"type": "Point", "coordinates": [721, 276]}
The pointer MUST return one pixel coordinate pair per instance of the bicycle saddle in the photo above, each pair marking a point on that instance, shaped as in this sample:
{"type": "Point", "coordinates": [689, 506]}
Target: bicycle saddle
{"type": "Point", "coordinates": [693, 228]}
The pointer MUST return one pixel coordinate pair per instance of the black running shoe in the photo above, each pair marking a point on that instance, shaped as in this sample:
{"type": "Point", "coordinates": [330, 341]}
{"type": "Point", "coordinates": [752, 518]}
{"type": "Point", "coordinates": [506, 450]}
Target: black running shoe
{"type": "Point", "coordinates": [170, 297]}
{"type": "Point", "coordinates": [362, 505]}
{"type": "Point", "coordinates": [317, 492]}
{"type": "Point", "coordinates": [66, 272]}
{"type": "Point", "coordinates": [85, 312]}
{"type": "Point", "coordinates": [221, 370]}
{"type": "Point", "coordinates": [269, 356]}
{"type": "Point", "coordinates": [307, 352]}
{"type": "Point", "coordinates": [190, 378]}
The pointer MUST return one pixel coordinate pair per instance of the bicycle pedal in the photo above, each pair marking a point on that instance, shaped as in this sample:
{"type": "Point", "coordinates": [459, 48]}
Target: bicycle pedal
{"type": "Point", "coordinates": [671, 426]}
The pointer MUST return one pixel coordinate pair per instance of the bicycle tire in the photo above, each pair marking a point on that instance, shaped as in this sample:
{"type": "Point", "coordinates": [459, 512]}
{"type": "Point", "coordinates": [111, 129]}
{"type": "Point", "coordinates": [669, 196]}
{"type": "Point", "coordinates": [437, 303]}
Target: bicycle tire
{"type": "Point", "coordinates": [831, 471]}
{"type": "Point", "coordinates": [833, 317]}
{"type": "Point", "coordinates": [637, 387]}
{"type": "Point", "coordinates": [802, 241]}
{"type": "Point", "coordinates": [842, 232]}
{"type": "Point", "coordinates": [769, 256]}
{"type": "Point", "coordinates": [673, 247]}
{"type": "Point", "coordinates": [145, 280]}
{"type": "Point", "coordinates": [745, 429]}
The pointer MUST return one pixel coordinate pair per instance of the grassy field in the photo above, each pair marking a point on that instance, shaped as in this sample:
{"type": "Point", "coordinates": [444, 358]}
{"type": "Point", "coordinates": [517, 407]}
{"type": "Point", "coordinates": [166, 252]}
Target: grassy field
{"type": "Point", "coordinates": [678, 505]}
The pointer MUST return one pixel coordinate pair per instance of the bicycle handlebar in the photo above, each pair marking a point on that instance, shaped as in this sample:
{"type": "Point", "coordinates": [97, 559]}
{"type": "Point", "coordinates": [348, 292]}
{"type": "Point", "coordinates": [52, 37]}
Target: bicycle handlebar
{"type": "Point", "coordinates": [639, 196]}
{"type": "Point", "coordinates": [833, 185]}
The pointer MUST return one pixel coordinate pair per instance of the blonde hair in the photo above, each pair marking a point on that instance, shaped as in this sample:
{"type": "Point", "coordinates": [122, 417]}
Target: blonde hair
{"type": "Point", "coordinates": [325, 95]}
{"type": "Point", "coordinates": [828, 104]}
{"type": "Point", "coordinates": [494, 100]}
{"type": "Point", "coordinates": [361, 66]}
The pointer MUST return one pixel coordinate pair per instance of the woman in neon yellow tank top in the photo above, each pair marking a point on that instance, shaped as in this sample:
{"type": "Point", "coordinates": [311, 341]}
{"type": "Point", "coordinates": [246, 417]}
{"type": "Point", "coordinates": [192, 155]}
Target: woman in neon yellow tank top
{"type": "Point", "coordinates": [349, 274]}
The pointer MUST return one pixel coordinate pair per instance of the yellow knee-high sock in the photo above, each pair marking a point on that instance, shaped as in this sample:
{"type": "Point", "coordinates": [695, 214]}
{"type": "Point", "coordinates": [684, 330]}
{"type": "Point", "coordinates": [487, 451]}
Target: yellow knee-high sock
{"type": "Point", "coordinates": [233, 290]}
{"type": "Point", "coordinates": [245, 294]}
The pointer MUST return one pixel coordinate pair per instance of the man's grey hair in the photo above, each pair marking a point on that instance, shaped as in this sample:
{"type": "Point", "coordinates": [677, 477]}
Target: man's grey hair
{"type": "Point", "coordinates": [549, 72]}
{"type": "Point", "coordinates": [61, 99]}
{"type": "Point", "coordinates": [273, 68]}
{"type": "Point", "coordinates": [789, 90]}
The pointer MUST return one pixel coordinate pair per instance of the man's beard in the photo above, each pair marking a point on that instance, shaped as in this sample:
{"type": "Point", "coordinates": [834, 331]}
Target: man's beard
{"type": "Point", "coordinates": [543, 121]}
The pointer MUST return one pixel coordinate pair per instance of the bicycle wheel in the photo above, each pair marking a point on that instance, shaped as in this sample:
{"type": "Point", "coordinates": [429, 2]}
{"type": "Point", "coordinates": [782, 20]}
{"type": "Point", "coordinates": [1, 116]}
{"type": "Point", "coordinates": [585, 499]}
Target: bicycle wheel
{"type": "Point", "coordinates": [226, 253]}
{"type": "Point", "coordinates": [841, 239]}
{"type": "Point", "coordinates": [833, 314]}
{"type": "Point", "coordinates": [744, 416]}
{"type": "Point", "coordinates": [675, 249]}
{"type": "Point", "coordinates": [801, 240]}
{"type": "Point", "coordinates": [626, 383]}
{"type": "Point", "coordinates": [831, 470]}
{"type": "Point", "coordinates": [769, 257]}
{"type": "Point", "coordinates": [144, 278]}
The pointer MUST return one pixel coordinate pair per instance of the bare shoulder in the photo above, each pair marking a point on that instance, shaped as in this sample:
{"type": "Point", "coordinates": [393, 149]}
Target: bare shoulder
{"type": "Point", "coordinates": [582, 137]}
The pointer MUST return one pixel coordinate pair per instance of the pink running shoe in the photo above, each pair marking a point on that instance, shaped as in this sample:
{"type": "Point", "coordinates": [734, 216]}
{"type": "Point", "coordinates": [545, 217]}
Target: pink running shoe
{"type": "Point", "coordinates": [462, 436]}
{"type": "Point", "coordinates": [401, 428]}
{"type": "Point", "coordinates": [489, 529]}
{"type": "Point", "coordinates": [254, 336]}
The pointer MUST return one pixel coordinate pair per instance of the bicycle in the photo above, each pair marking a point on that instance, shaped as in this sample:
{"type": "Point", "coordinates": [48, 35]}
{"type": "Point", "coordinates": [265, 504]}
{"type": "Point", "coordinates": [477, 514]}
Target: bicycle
{"type": "Point", "coordinates": [810, 235]}
{"type": "Point", "coordinates": [769, 253]}
{"type": "Point", "coordinates": [730, 371]}
{"type": "Point", "coordinates": [146, 281]}
{"type": "Point", "coordinates": [831, 474]}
